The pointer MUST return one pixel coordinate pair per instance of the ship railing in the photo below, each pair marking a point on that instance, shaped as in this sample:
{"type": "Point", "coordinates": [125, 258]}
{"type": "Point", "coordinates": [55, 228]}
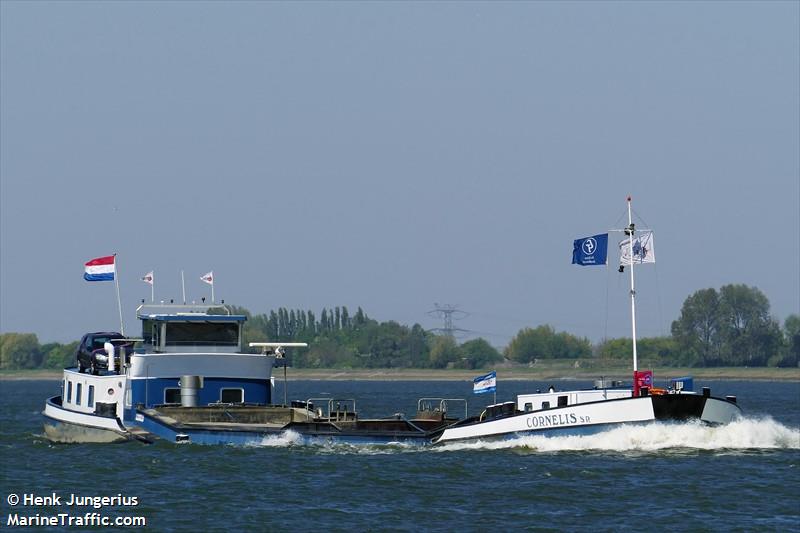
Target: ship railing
{"type": "Point", "coordinates": [187, 309]}
{"type": "Point", "coordinates": [340, 414]}
{"type": "Point", "coordinates": [439, 405]}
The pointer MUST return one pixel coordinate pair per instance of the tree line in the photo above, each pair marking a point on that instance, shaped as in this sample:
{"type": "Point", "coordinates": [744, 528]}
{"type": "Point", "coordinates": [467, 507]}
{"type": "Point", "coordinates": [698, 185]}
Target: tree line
{"type": "Point", "coordinates": [731, 326]}
{"type": "Point", "coordinates": [338, 339]}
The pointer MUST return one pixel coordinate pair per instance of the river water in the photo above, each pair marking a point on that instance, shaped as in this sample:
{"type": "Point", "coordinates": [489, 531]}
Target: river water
{"type": "Point", "coordinates": [740, 477]}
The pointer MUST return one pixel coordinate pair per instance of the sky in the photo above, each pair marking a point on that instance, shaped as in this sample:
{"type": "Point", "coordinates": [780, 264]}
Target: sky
{"type": "Point", "coordinates": [395, 155]}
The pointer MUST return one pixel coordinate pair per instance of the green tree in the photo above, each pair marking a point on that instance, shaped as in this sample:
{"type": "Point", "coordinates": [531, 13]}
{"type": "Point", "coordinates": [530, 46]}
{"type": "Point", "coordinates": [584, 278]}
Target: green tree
{"type": "Point", "coordinates": [530, 344]}
{"type": "Point", "coordinates": [19, 350]}
{"type": "Point", "coordinates": [312, 323]}
{"type": "Point", "coordinates": [620, 348]}
{"type": "Point", "coordinates": [386, 344]}
{"type": "Point", "coordinates": [444, 351]}
{"type": "Point", "coordinates": [360, 318]}
{"type": "Point", "coordinates": [566, 345]}
{"type": "Point", "coordinates": [697, 331]}
{"type": "Point", "coordinates": [323, 320]}
{"type": "Point", "coordinates": [478, 353]}
{"type": "Point", "coordinates": [328, 353]}
{"type": "Point", "coordinates": [418, 350]}
{"type": "Point", "coordinates": [750, 336]}
{"type": "Point", "coordinates": [56, 355]}
{"type": "Point", "coordinates": [729, 327]}
{"type": "Point", "coordinates": [543, 342]}
{"type": "Point", "coordinates": [649, 350]}
{"type": "Point", "coordinates": [790, 356]}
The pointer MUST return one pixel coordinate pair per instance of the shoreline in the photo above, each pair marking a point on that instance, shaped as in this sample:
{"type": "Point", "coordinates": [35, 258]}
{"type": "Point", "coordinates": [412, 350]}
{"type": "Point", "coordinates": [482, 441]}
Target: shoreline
{"type": "Point", "coordinates": [503, 374]}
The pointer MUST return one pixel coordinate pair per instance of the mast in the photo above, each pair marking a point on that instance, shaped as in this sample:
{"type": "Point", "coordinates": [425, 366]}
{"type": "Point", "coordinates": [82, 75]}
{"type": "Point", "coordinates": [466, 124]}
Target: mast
{"type": "Point", "coordinates": [119, 301]}
{"type": "Point", "coordinates": [630, 231]}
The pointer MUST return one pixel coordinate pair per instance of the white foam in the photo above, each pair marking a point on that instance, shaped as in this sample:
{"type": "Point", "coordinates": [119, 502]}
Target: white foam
{"type": "Point", "coordinates": [282, 440]}
{"type": "Point", "coordinates": [323, 445]}
{"type": "Point", "coordinates": [743, 434]}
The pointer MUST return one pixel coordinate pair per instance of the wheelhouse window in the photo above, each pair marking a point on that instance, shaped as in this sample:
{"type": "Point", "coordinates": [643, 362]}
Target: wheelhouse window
{"type": "Point", "coordinates": [202, 333]}
{"type": "Point", "coordinates": [90, 397]}
{"type": "Point", "coordinates": [78, 390]}
{"type": "Point", "coordinates": [528, 407]}
{"type": "Point", "coordinates": [545, 405]}
{"type": "Point", "coordinates": [69, 392]}
{"type": "Point", "coordinates": [148, 331]}
{"type": "Point", "coordinates": [231, 396]}
{"type": "Point", "coordinates": [172, 395]}
{"type": "Point", "coordinates": [562, 401]}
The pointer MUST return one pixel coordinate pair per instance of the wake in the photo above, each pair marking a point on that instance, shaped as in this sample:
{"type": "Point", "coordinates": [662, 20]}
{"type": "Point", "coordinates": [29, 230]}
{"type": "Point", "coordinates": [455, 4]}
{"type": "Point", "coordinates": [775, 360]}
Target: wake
{"type": "Point", "coordinates": [742, 435]}
{"type": "Point", "coordinates": [282, 440]}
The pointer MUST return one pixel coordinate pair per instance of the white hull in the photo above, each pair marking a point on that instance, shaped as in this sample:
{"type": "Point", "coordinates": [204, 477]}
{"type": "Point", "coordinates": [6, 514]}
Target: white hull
{"type": "Point", "coordinates": [573, 416]}
{"type": "Point", "coordinates": [716, 411]}
{"type": "Point", "coordinates": [594, 416]}
{"type": "Point", "coordinates": [65, 426]}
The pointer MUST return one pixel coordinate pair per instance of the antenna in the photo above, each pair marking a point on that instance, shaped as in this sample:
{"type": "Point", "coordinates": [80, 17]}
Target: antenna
{"type": "Point", "coordinates": [448, 312]}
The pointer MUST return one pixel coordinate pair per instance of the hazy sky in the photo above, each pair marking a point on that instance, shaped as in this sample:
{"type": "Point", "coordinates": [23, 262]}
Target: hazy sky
{"type": "Point", "coordinates": [392, 155]}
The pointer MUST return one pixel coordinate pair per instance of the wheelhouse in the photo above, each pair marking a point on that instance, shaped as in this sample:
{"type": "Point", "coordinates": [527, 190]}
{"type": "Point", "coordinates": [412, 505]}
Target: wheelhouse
{"type": "Point", "coordinates": [198, 330]}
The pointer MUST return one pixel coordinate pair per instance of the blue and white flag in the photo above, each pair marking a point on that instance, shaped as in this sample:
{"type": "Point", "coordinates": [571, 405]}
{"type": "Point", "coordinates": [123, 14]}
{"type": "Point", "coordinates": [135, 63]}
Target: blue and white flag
{"type": "Point", "coordinates": [485, 383]}
{"type": "Point", "coordinates": [643, 249]}
{"type": "Point", "coordinates": [590, 250]}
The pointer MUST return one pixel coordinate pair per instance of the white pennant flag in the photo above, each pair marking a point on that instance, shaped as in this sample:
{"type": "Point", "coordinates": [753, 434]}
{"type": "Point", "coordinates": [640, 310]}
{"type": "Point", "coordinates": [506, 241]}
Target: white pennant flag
{"type": "Point", "coordinates": [208, 278]}
{"type": "Point", "coordinates": [148, 278]}
{"type": "Point", "coordinates": [643, 249]}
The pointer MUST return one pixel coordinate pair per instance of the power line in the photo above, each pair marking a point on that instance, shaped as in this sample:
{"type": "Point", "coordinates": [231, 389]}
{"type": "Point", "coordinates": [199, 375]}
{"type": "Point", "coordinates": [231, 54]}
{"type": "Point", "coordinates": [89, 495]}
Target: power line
{"type": "Point", "coordinates": [448, 312]}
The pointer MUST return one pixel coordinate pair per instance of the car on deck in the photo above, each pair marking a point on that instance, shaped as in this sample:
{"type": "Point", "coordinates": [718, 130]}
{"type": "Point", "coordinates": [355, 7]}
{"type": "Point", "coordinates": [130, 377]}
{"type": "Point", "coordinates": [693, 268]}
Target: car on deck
{"type": "Point", "coordinates": [91, 353]}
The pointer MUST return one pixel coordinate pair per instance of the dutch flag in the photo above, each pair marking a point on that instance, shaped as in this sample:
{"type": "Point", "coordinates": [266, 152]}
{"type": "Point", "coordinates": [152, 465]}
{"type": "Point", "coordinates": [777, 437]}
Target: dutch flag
{"type": "Point", "coordinates": [100, 269]}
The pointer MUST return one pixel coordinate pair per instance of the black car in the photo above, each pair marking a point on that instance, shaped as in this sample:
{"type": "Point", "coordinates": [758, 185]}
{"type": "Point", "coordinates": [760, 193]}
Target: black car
{"type": "Point", "coordinates": [91, 354]}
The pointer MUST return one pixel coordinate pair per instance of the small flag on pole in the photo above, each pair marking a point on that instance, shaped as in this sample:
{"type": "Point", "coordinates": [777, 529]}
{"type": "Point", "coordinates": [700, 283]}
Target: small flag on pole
{"type": "Point", "coordinates": [642, 378]}
{"type": "Point", "coordinates": [590, 250]}
{"type": "Point", "coordinates": [148, 278]}
{"type": "Point", "coordinates": [485, 383]}
{"type": "Point", "coordinates": [209, 278]}
{"type": "Point", "coordinates": [100, 269]}
{"type": "Point", "coordinates": [105, 269]}
{"type": "Point", "coordinates": [643, 249]}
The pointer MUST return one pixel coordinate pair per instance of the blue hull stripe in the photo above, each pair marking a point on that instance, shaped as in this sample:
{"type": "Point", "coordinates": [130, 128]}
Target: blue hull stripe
{"type": "Point", "coordinates": [150, 392]}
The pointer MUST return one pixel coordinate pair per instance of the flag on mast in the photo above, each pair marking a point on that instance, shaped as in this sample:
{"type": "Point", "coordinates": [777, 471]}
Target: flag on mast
{"type": "Point", "coordinates": [148, 278]}
{"type": "Point", "coordinates": [485, 383]}
{"type": "Point", "coordinates": [100, 269]}
{"type": "Point", "coordinates": [590, 250]}
{"type": "Point", "coordinates": [643, 249]}
{"type": "Point", "coordinates": [209, 278]}
{"type": "Point", "coordinates": [105, 269]}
